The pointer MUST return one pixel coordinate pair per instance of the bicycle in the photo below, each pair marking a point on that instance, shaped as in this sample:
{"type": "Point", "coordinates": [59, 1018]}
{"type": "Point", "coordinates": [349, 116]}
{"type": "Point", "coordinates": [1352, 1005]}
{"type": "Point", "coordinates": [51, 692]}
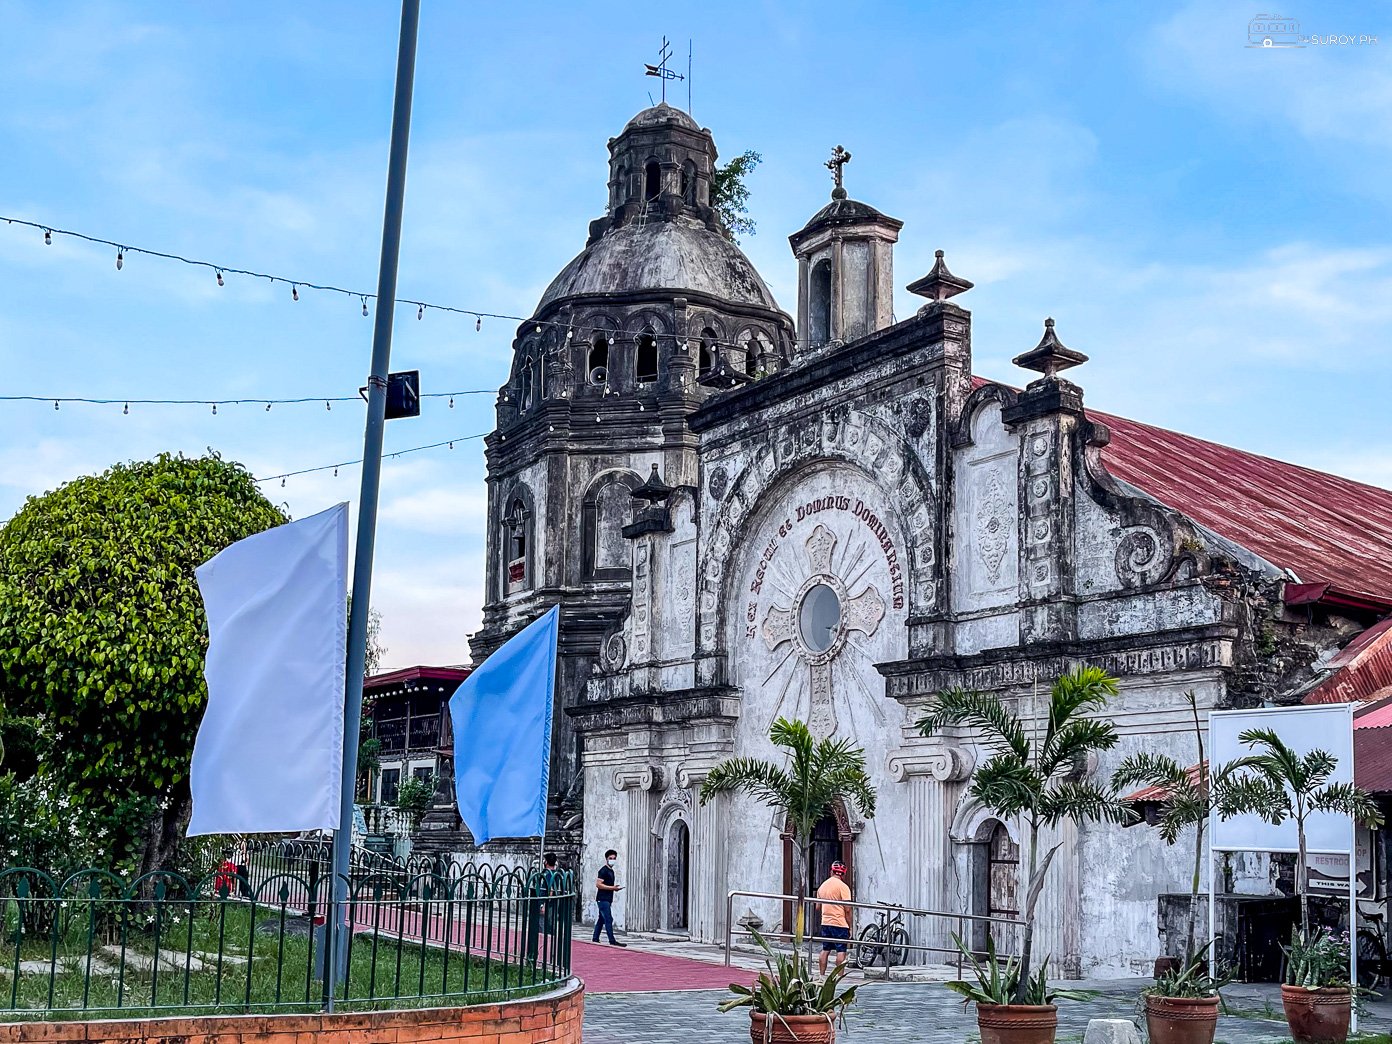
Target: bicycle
{"type": "Point", "coordinates": [1373, 962]}
{"type": "Point", "coordinates": [885, 938]}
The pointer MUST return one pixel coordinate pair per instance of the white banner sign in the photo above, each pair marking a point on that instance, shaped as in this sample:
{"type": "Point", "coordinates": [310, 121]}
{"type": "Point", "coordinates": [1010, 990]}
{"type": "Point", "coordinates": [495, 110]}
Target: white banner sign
{"type": "Point", "coordinates": [1327, 727]}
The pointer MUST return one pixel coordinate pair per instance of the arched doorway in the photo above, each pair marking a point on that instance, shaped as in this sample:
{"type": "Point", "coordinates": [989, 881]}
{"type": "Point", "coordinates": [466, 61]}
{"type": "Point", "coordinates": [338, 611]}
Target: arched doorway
{"type": "Point", "coordinates": [676, 917]}
{"type": "Point", "coordinates": [999, 886]}
{"type": "Point", "coordinates": [832, 841]}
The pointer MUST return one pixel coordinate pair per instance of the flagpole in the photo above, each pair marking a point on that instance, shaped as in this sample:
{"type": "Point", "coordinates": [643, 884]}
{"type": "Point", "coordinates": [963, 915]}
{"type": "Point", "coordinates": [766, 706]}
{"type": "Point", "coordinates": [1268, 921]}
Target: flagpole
{"type": "Point", "coordinates": [371, 484]}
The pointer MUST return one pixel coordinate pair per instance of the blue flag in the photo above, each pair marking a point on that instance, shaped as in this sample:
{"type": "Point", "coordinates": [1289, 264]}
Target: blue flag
{"type": "Point", "coordinates": [502, 735]}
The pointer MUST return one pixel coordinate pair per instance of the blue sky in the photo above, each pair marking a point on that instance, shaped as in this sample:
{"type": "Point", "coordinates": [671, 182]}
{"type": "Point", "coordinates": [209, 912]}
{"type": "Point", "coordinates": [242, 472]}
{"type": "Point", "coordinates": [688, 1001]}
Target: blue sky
{"type": "Point", "coordinates": [1209, 222]}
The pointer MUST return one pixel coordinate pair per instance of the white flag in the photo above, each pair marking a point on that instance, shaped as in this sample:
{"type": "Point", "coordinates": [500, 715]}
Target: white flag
{"type": "Point", "coordinates": [269, 753]}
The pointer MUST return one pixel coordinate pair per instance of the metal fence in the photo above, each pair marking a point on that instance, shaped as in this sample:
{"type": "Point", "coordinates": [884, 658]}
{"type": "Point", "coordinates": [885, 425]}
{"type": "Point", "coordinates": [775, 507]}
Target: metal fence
{"type": "Point", "coordinates": [254, 939]}
{"type": "Point", "coordinates": [883, 935]}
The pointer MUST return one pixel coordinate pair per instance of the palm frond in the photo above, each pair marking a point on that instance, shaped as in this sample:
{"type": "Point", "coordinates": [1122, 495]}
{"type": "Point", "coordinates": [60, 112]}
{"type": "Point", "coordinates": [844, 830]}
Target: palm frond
{"type": "Point", "coordinates": [1258, 794]}
{"type": "Point", "coordinates": [762, 779]}
{"type": "Point", "coordinates": [1006, 785]}
{"type": "Point", "coordinates": [1317, 766]}
{"type": "Point", "coordinates": [1083, 802]}
{"type": "Point", "coordinates": [1347, 800]}
{"type": "Point", "coordinates": [1152, 770]}
{"type": "Point", "coordinates": [1074, 740]}
{"type": "Point", "coordinates": [1081, 689]}
{"type": "Point", "coordinates": [985, 711]}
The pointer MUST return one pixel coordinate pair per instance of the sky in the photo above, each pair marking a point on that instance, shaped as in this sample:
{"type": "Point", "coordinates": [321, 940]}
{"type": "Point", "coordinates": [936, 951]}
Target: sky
{"type": "Point", "coordinates": [1210, 222]}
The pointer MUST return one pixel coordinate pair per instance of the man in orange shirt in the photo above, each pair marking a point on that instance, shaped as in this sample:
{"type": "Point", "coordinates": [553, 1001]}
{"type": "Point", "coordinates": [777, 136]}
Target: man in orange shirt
{"type": "Point", "coordinates": [836, 919]}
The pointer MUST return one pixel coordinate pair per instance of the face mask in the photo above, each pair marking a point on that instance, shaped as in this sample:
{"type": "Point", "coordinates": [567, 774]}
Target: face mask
{"type": "Point", "coordinates": [611, 862]}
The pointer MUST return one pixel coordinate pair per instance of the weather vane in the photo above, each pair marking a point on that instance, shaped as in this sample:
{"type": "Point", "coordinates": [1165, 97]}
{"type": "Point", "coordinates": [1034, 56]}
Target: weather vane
{"type": "Point", "coordinates": [661, 71]}
{"type": "Point", "coordinates": [839, 158]}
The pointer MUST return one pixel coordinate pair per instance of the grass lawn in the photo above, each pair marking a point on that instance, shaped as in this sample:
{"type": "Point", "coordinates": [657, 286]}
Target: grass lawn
{"type": "Point", "coordinates": [236, 968]}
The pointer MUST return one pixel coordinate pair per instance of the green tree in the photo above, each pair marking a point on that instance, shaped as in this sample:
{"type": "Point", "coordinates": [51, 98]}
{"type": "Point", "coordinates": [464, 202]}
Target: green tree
{"type": "Point", "coordinates": [102, 632]}
{"type": "Point", "coordinates": [818, 773]}
{"type": "Point", "coordinates": [1188, 800]}
{"type": "Point", "coordinates": [1278, 784]}
{"type": "Point", "coordinates": [1038, 779]}
{"type": "Point", "coordinates": [729, 195]}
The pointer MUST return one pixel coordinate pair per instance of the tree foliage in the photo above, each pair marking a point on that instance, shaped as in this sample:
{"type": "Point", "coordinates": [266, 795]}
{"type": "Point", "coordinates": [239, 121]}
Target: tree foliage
{"type": "Point", "coordinates": [1188, 801]}
{"type": "Point", "coordinates": [102, 630]}
{"type": "Point", "coordinates": [805, 789]}
{"type": "Point", "coordinates": [1037, 777]}
{"type": "Point", "coordinates": [1278, 784]}
{"type": "Point", "coordinates": [729, 195]}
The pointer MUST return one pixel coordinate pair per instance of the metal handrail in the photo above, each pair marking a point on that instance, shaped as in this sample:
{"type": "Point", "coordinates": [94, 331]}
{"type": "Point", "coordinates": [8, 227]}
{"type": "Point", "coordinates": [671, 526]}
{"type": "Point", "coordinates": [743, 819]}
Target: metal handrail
{"type": "Point", "coordinates": [879, 907]}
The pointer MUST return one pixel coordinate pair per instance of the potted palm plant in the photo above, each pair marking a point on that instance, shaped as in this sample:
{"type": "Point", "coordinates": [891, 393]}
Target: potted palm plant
{"type": "Point", "coordinates": [818, 772]}
{"type": "Point", "coordinates": [998, 985]}
{"type": "Point", "coordinates": [1038, 780]}
{"type": "Point", "coordinates": [787, 1005]}
{"type": "Point", "coordinates": [1182, 1006]}
{"type": "Point", "coordinates": [1278, 784]}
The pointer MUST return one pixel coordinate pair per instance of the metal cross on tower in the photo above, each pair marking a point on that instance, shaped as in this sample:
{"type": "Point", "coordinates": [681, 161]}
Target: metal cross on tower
{"type": "Point", "coordinates": [839, 158]}
{"type": "Point", "coordinates": [661, 71]}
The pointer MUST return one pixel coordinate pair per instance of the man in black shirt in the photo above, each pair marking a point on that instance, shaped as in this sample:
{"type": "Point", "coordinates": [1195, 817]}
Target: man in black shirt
{"type": "Point", "coordinates": [604, 898]}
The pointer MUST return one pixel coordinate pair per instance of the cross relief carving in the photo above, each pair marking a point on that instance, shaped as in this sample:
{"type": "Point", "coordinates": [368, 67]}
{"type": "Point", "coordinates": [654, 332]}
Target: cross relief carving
{"type": "Point", "coordinates": [817, 623]}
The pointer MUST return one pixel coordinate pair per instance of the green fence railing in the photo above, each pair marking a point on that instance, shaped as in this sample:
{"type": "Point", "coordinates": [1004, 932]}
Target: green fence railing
{"type": "Point", "coordinates": [253, 939]}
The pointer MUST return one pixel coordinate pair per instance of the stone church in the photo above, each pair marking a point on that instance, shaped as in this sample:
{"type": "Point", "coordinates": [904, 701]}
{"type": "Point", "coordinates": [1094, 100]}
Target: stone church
{"type": "Point", "coordinates": [745, 516]}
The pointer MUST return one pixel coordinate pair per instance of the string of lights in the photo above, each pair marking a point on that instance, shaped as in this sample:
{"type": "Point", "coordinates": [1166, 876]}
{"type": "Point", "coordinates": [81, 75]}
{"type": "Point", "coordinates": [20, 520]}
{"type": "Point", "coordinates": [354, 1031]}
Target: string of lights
{"type": "Point", "coordinates": [221, 271]}
{"type": "Point", "coordinates": [385, 456]}
{"type": "Point", "coordinates": [327, 400]}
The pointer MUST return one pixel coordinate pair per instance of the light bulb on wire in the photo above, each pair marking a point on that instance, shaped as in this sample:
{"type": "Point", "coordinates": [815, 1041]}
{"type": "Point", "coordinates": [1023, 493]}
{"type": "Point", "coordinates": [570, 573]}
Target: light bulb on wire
{"type": "Point", "coordinates": [478, 324]}
{"type": "Point", "coordinates": [294, 292]}
{"type": "Point", "coordinates": [120, 258]}
{"type": "Point", "coordinates": [48, 237]}
{"type": "Point", "coordinates": [219, 277]}
{"type": "Point", "coordinates": [420, 312]}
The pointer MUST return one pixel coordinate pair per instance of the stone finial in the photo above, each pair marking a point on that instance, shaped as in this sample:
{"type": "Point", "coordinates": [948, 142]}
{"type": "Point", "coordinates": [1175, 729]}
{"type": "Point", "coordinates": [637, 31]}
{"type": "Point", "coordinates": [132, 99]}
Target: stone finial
{"type": "Point", "coordinates": [839, 158]}
{"type": "Point", "coordinates": [654, 490]}
{"type": "Point", "coordinates": [1050, 355]}
{"type": "Point", "coordinates": [722, 374]}
{"type": "Point", "coordinates": [939, 284]}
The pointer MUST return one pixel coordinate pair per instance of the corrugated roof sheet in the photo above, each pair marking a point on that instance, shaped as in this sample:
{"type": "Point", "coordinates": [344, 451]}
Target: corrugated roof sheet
{"type": "Point", "coordinates": [1360, 671]}
{"type": "Point", "coordinates": [1323, 528]}
{"type": "Point", "coordinates": [1162, 793]}
{"type": "Point", "coordinates": [1372, 748]}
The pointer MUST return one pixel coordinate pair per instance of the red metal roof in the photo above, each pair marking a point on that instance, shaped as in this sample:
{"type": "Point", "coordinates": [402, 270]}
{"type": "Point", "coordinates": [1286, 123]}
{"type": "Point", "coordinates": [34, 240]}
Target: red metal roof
{"type": "Point", "coordinates": [378, 682]}
{"type": "Point", "coordinates": [1360, 671]}
{"type": "Point", "coordinates": [1323, 528]}
{"type": "Point", "coordinates": [1372, 747]}
{"type": "Point", "coordinates": [1162, 793]}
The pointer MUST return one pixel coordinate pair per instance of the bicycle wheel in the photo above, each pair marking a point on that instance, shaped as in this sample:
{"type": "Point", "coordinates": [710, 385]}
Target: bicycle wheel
{"type": "Point", "coordinates": [870, 943]}
{"type": "Point", "coordinates": [1372, 959]}
{"type": "Point", "coordinates": [898, 950]}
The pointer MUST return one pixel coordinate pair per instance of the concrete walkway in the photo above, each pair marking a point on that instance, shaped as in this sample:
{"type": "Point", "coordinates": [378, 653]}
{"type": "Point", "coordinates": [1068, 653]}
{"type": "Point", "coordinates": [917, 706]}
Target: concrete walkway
{"type": "Point", "coordinates": [666, 992]}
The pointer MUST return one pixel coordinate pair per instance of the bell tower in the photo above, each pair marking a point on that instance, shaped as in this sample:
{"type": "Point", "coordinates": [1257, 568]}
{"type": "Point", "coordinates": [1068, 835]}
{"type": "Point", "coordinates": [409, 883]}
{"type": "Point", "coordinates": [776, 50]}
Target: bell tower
{"type": "Point", "coordinates": [660, 311]}
{"type": "Point", "coordinates": [845, 258]}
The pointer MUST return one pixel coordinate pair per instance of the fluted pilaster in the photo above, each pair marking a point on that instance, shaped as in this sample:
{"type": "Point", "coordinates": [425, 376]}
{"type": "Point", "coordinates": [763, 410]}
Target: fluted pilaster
{"type": "Point", "coordinates": [640, 912]}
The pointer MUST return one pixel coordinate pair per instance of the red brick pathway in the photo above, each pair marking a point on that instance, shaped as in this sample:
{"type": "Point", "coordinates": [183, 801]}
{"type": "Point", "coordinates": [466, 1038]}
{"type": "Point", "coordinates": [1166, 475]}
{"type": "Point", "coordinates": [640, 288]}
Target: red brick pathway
{"type": "Point", "coordinates": [614, 969]}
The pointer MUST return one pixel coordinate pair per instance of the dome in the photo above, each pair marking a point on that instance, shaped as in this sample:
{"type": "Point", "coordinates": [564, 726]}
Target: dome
{"type": "Point", "coordinates": [676, 256]}
{"type": "Point", "coordinates": [843, 212]}
{"type": "Point", "coordinates": [660, 115]}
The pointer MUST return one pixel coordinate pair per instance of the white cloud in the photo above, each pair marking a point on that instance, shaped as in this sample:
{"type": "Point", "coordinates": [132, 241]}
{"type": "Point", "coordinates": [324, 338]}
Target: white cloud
{"type": "Point", "coordinates": [1334, 93]}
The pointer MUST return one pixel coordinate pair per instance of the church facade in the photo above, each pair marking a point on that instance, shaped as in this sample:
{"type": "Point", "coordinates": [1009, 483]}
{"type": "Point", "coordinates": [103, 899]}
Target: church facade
{"type": "Point", "coordinates": [744, 517]}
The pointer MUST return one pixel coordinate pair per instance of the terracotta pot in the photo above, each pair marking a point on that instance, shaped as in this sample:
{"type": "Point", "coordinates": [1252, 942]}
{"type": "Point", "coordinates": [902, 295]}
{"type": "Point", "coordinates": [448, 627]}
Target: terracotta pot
{"type": "Point", "coordinates": [791, 1029]}
{"type": "Point", "coordinates": [1317, 1016]}
{"type": "Point", "coordinates": [1017, 1023]}
{"type": "Point", "coordinates": [1181, 1020]}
